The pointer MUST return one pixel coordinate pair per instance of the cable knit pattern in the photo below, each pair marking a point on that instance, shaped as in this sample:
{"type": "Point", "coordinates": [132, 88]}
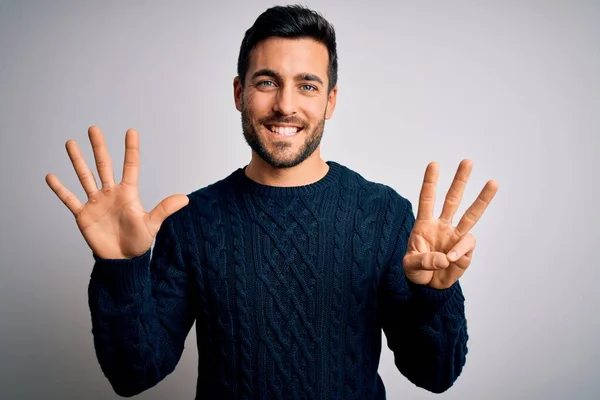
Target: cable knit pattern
{"type": "Point", "coordinates": [242, 289]}
{"type": "Point", "coordinates": [290, 289]}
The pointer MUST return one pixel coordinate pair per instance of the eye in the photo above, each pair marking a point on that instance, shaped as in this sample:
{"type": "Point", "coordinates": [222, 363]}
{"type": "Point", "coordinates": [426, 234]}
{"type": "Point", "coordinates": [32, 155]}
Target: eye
{"type": "Point", "coordinates": [308, 87]}
{"type": "Point", "coordinates": [266, 83]}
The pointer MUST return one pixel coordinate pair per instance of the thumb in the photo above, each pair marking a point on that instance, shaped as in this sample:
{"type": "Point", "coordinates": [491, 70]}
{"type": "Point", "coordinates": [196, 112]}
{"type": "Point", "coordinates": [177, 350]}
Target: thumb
{"type": "Point", "coordinates": [429, 261]}
{"type": "Point", "coordinates": [166, 208]}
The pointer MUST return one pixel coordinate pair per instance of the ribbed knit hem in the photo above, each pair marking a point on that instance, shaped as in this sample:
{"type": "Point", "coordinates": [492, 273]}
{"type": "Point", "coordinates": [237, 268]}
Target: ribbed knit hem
{"type": "Point", "coordinates": [451, 299]}
{"type": "Point", "coordinates": [126, 276]}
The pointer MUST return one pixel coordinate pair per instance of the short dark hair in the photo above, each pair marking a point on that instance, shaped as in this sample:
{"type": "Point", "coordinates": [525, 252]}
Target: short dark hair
{"type": "Point", "coordinates": [293, 21]}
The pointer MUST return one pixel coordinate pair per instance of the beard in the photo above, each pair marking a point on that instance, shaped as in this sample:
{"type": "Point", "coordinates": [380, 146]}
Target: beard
{"type": "Point", "coordinates": [276, 158]}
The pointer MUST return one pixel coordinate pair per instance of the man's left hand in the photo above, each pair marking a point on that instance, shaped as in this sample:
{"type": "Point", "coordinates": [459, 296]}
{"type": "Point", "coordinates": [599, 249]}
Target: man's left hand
{"type": "Point", "coordinates": [439, 253]}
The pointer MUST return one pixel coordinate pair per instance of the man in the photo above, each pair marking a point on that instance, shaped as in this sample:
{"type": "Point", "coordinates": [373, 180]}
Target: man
{"type": "Point", "coordinates": [292, 266]}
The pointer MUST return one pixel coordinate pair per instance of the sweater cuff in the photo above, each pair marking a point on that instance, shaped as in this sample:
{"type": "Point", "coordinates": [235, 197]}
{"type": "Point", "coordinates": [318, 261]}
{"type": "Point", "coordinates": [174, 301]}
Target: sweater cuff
{"type": "Point", "coordinates": [433, 300]}
{"type": "Point", "coordinates": [124, 276]}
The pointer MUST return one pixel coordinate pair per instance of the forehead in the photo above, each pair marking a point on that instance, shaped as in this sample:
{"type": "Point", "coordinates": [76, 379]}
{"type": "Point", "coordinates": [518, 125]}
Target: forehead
{"type": "Point", "coordinates": [290, 56]}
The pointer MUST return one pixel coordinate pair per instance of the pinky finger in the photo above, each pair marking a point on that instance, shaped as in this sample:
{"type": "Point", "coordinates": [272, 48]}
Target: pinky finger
{"type": "Point", "coordinates": [465, 261]}
{"type": "Point", "coordinates": [68, 198]}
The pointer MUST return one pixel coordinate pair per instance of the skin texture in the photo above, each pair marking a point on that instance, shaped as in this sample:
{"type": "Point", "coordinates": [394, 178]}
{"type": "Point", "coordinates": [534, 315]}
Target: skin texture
{"type": "Point", "coordinates": [439, 253]}
{"type": "Point", "coordinates": [113, 221]}
{"type": "Point", "coordinates": [286, 85]}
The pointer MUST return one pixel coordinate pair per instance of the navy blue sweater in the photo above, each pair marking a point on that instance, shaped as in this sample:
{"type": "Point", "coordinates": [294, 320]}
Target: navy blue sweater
{"type": "Point", "coordinates": [290, 290]}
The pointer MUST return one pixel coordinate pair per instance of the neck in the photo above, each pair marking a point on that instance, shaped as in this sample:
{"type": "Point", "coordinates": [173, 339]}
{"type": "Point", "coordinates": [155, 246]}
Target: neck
{"type": "Point", "coordinates": [307, 172]}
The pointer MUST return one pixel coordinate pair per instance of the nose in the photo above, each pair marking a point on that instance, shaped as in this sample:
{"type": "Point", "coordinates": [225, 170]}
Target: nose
{"type": "Point", "coordinates": [285, 101]}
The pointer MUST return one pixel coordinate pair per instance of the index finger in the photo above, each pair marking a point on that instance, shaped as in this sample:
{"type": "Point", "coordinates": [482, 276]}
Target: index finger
{"type": "Point", "coordinates": [427, 195]}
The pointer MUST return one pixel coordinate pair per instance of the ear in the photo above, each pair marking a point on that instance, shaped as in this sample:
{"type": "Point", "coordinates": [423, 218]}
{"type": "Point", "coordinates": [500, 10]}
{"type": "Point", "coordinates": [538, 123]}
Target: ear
{"type": "Point", "coordinates": [237, 93]}
{"type": "Point", "coordinates": [331, 100]}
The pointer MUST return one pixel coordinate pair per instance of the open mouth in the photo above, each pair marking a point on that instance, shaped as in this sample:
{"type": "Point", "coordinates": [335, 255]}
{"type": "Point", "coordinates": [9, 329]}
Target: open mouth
{"type": "Point", "coordinates": [284, 130]}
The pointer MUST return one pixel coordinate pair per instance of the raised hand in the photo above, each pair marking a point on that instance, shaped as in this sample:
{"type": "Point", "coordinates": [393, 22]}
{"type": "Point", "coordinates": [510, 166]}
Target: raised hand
{"type": "Point", "coordinates": [439, 253]}
{"type": "Point", "coordinates": [113, 221]}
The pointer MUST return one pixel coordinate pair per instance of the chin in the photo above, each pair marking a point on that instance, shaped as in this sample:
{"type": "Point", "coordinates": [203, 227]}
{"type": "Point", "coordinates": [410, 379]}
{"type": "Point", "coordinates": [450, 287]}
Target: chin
{"type": "Point", "coordinates": [281, 149]}
{"type": "Point", "coordinates": [282, 162]}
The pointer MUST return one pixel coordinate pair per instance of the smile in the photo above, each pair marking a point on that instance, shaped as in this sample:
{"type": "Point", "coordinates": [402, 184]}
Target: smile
{"type": "Point", "coordinates": [284, 130]}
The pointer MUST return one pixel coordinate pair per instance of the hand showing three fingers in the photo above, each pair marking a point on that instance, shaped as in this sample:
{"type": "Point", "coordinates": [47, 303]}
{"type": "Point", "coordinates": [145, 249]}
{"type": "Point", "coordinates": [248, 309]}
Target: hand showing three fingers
{"type": "Point", "coordinates": [438, 253]}
{"type": "Point", "coordinates": [113, 221]}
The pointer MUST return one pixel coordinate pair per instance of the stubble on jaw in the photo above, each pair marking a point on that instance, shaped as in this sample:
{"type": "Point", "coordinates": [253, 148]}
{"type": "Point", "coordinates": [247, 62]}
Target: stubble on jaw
{"type": "Point", "coordinates": [311, 143]}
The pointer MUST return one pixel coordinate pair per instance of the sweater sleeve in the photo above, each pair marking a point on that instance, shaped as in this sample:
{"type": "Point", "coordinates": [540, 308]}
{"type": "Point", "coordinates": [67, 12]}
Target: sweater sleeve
{"type": "Point", "coordinates": [426, 328]}
{"type": "Point", "coordinates": [142, 312]}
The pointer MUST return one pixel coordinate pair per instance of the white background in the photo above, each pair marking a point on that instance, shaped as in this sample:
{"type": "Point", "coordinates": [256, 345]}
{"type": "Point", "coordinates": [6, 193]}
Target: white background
{"type": "Point", "coordinates": [512, 85]}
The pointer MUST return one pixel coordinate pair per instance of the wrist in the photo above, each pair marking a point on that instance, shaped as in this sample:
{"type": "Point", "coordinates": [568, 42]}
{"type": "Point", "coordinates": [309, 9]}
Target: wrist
{"type": "Point", "coordinates": [433, 299]}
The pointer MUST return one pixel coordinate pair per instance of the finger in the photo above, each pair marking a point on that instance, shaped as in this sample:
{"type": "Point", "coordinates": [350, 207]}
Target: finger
{"type": "Point", "coordinates": [425, 261]}
{"type": "Point", "coordinates": [456, 270]}
{"type": "Point", "coordinates": [457, 188]}
{"type": "Point", "coordinates": [474, 213]}
{"type": "Point", "coordinates": [84, 173]}
{"type": "Point", "coordinates": [132, 158]}
{"type": "Point", "coordinates": [103, 163]}
{"type": "Point", "coordinates": [464, 245]}
{"type": "Point", "coordinates": [68, 198]}
{"type": "Point", "coordinates": [465, 261]}
{"type": "Point", "coordinates": [427, 195]}
{"type": "Point", "coordinates": [164, 209]}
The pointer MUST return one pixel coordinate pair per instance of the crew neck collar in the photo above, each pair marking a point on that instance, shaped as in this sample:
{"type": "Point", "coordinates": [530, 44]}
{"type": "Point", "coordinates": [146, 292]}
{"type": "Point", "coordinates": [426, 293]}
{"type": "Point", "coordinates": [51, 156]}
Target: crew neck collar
{"type": "Point", "coordinates": [332, 176]}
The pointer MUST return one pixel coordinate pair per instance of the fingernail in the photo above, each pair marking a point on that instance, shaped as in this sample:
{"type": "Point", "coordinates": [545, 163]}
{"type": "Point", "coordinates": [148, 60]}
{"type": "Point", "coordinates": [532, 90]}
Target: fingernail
{"type": "Point", "coordinates": [452, 256]}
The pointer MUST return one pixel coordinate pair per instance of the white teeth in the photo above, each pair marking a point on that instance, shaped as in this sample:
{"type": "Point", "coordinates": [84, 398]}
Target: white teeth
{"type": "Point", "coordinates": [284, 130]}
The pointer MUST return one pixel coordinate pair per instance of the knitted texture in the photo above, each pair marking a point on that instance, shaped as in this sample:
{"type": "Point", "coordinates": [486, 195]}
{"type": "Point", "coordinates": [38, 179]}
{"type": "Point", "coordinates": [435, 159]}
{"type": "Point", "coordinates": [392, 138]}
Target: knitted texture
{"type": "Point", "coordinates": [290, 289]}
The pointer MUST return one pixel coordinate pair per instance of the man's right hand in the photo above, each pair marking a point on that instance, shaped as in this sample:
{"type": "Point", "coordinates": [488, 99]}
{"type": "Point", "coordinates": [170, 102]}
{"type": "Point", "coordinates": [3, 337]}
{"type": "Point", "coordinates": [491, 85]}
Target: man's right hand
{"type": "Point", "coordinates": [113, 221]}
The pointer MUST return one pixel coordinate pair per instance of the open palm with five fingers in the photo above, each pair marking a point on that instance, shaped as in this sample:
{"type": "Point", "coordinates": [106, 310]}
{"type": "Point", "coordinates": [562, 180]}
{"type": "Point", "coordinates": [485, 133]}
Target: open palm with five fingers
{"type": "Point", "coordinates": [113, 221]}
{"type": "Point", "coordinates": [438, 253]}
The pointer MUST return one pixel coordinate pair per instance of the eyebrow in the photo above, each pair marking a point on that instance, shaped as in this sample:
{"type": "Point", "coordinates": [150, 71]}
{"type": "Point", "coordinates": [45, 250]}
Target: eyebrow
{"type": "Point", "coordinates": [305, 76]}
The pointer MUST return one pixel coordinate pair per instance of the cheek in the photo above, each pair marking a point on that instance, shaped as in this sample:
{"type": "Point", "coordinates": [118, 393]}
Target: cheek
{"type": "Point", "coordinates": [259, 103]}
{"type": "Point", "coordinates": [315, 110]}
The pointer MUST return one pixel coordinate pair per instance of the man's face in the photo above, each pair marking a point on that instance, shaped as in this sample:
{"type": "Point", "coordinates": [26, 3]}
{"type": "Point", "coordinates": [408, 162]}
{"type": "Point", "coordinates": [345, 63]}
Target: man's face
{"type": "Point", "coordinates": [284, 102]}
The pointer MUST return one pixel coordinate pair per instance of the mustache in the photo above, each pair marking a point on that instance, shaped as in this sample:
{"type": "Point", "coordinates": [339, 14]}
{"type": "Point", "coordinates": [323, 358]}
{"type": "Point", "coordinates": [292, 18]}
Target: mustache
{"type": "Point", "coordinates": [280, 119]}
